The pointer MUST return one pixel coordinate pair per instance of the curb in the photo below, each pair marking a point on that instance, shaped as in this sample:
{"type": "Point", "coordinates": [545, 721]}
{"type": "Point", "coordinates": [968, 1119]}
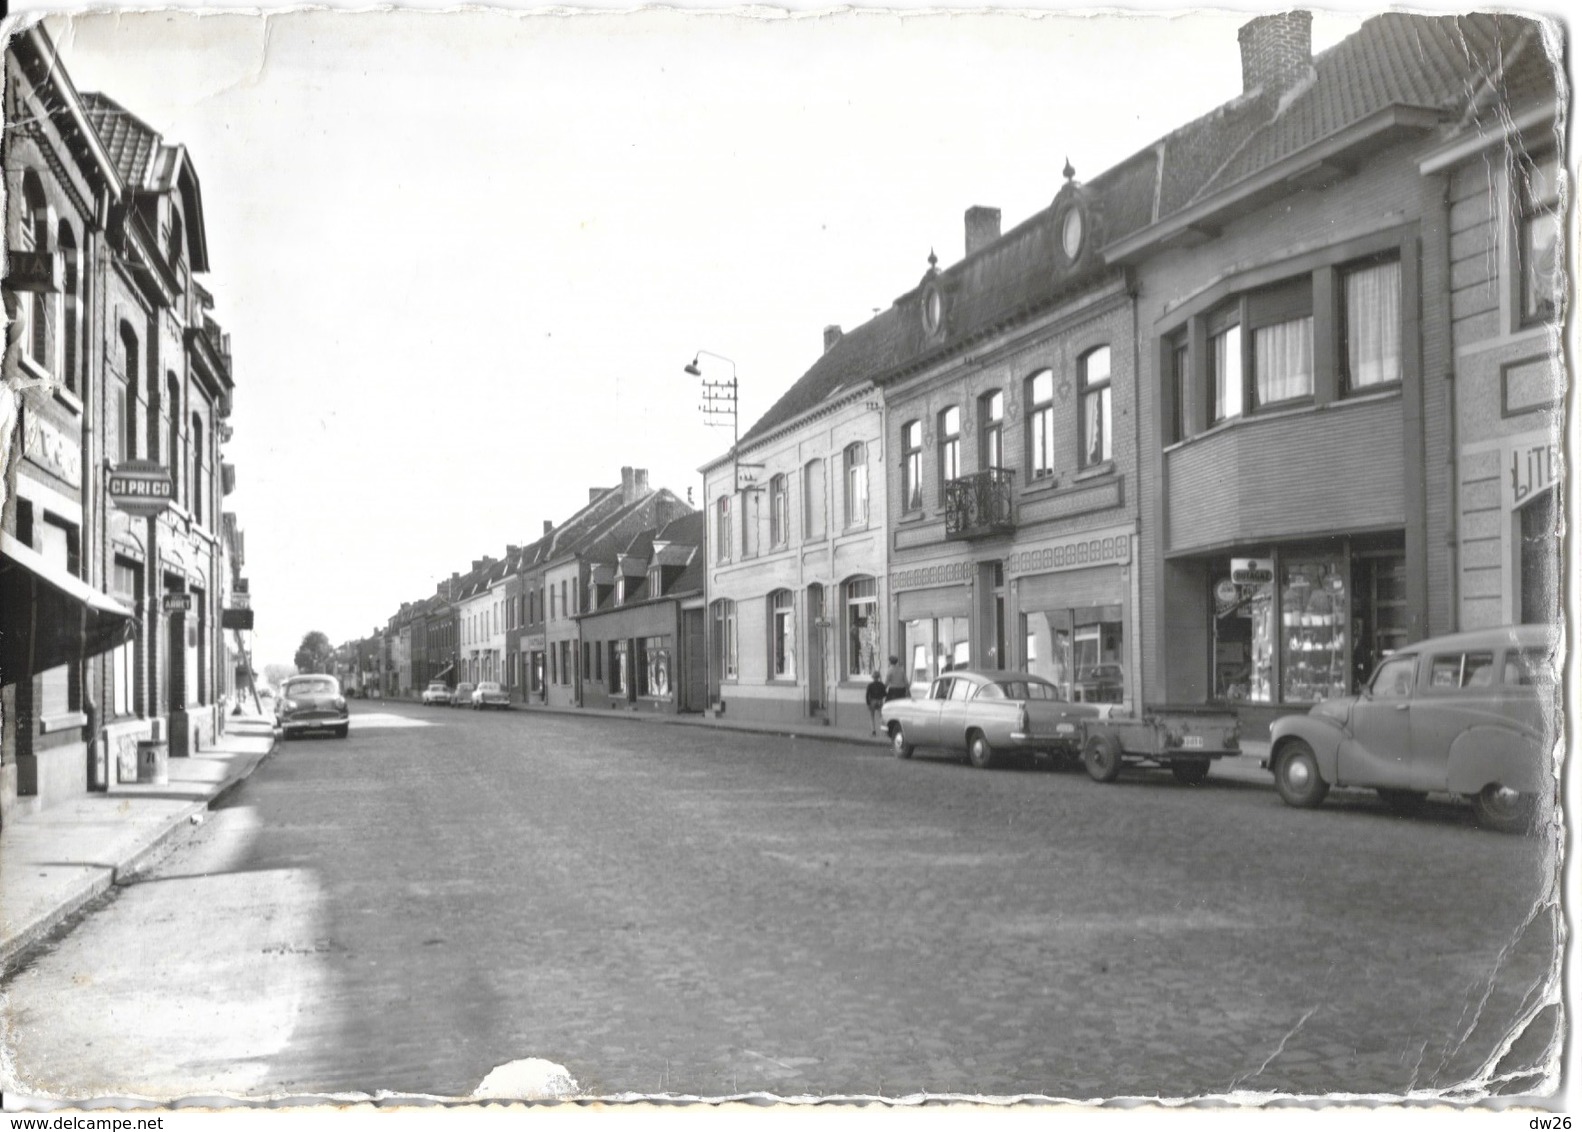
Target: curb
{"type": "Point", "coordinates": [119, 872]}
{"type": "Point", "coordinates": [828, 735]}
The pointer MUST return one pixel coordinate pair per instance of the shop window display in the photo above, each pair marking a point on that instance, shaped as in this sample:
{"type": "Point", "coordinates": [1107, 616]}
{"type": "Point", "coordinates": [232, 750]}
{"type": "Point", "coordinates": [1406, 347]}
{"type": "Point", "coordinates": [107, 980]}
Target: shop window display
{"type": "Point", "coordinates": [1314, 614]}
{"type": "Point", "coordinates": [935, 646]}
{"type": "Point", "coordinates": [1243, 641]}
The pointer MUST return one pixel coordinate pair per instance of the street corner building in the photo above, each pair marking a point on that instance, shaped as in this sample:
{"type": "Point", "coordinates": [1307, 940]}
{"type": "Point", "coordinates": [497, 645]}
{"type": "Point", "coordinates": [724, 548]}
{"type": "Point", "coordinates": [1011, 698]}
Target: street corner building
{"type": "Point", "coordinates": [1224, 424]}
{"type": "Point", "coordinates": [118, 562]}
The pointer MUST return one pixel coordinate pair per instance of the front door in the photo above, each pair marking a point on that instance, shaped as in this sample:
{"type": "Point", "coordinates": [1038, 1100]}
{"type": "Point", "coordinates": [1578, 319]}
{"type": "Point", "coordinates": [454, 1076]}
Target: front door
{"type": "Point", "coordinates": [1379, 751]}
{"type": "Point", "coordinates": [818, 642]}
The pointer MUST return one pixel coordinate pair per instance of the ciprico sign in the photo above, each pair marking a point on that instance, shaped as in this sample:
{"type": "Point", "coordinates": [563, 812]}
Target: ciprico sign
{"type": "Point", "coordinates": [140, 487]}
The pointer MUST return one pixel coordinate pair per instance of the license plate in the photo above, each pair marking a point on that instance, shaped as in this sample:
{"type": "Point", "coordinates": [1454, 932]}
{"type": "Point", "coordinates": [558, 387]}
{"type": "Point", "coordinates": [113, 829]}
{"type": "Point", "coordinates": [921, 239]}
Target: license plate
{"type": "Point", "coordinates": [1065, 728]}
{"type": "Point", "coordinates": [1193, 741]}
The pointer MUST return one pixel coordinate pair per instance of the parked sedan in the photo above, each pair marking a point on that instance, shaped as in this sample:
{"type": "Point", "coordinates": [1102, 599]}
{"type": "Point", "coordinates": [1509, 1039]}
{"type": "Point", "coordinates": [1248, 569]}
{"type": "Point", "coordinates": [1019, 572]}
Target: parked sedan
{"type": "Point", "coordinates": [437, 693]}
{"type": "Point", "coordinates": [489, 694]}
{"type": "Point", "coordinates": [1473, 714]}
{"type": "Point", "coordinates": [312, 703]}
{"type": "Point", "coordinates": [985, 714]}
{"type": "Point", "coordinates": [461, 695]}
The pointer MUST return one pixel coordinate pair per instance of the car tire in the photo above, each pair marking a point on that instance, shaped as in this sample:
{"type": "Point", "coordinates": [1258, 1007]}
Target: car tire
{"type": "Point", "coordinates": [1190, 772]}
{"type": "Point", "coordinates": [1404, 802]}
{"type": "Point", "coordinates": [979, 753]}
{"type": "Point", "coordinates": [343, 730]}
{"type": "Point", "coordinates": [1502, 810]}
{"type": "Point", "coordinates": [899, 747]}
{"type": "Point", "coordinates": [1102, 757]}
{"type": "Point", "coordinates": [1296, 777]}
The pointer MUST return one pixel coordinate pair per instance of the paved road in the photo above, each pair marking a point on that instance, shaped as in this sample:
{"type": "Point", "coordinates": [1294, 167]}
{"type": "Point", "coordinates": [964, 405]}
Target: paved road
{"type": "Point", "coordinates": [697, 912]}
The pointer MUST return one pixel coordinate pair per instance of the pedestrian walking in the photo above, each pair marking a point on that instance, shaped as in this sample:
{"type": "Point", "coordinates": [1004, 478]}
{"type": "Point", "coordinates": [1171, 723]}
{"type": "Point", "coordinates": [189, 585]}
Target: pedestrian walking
{"type": "Point", "coordinates": [877, 694]}
{"type": "Point", "coordinates": [895, 681]}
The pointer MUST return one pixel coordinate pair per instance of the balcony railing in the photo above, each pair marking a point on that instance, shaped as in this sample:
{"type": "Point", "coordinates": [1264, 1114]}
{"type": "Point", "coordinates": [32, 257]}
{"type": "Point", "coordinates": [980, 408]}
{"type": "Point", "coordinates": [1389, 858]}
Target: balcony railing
{"type": "Point", "coordinates": [979, 504]}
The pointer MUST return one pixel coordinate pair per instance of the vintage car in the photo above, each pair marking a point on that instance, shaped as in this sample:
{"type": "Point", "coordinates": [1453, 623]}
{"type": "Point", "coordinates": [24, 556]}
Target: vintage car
{"type": "Point", "coordinates": [312, 703]}
{"type": "Point", "coordinates": [1472, 714]}
{"type": "Point", "coordinates": [489, 694]}
{"type": "Point", "coordinates": [438, 692]}
{"type": "Point", "coordinates": [987, 714]}
{"type": "Point", "coordinates": [461, 695]}
{"type": "Point", "coordinates": [1099, 684]}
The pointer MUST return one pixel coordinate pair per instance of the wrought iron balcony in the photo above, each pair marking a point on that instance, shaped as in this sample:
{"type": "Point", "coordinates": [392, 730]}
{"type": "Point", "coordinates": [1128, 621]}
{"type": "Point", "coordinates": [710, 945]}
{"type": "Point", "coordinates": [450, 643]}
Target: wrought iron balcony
{"type": "Point", "coordinates": [980, 504]}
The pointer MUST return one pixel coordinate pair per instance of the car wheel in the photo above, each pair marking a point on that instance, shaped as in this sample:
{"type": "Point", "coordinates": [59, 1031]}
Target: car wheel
{"type": "Point", "coordinates": [1296, 776]}
{"type": "Point", "coordinates": [1102, 757]}
{"type": "Point", "coordinates": [343, 730]}
{"type": "Point", "coordinates": [1189, 772]}
{"type": "Point", "coordinates": [899, 747]}
{"type": "Point", "coordinates": [1503, 810]}
{"type": "Point", "coordinates": [979, 753]}
{"type": "Point", "coordinates": [1404, 802]}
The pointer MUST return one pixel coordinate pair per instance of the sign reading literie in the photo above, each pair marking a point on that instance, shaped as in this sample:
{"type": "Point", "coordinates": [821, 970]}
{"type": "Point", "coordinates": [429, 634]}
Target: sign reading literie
{"type": "Point", "coordinates": [140, 487]}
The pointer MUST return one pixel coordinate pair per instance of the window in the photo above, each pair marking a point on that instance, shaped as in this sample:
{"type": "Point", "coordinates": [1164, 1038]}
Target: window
{"type": "Point", "coordinates": [1538, 234]}
{"type": "Point", "coordinates": [552, 603]}
{"type": "Point", "coordinates": [862, 627]}
{"type": "Point", "coordinates": [1041, 424]}
{"type": "Point", "coordinates": [912, 466]}
{"type": "Point", "coordinates": [1179, 391]}
{"type": "Point", "coordinates": [618, 681]}
{"type": "Point", "coordinates": [653, 667]}
{"type": "Point", "coordinates": [813, 499]}
{"type": "Point", "coordinates": [1372, 328]}
{"type": "Point", "coordinates": [1279, 320]}
{"type": "Point", "coordinates": [855, 460]}
{"type": "Point", "coordinates": [722, 528]}
{"type": "Point", "coordinates": [197, 469]}
{"type": "Point", "coordinates": [69, 285]}
{"type": "Point", "coordinates": [779, 512]}
{"type": "Point", "coordinates": [566, 674]}
{"type": "Point", "coordinates": [33, 235]}
{"type": "Point", "coordinates": [126, 584]}
{"type": "Point", "coordinates": [128, 399]}
{"type": "Point", "coordinates": [1462, 670]}
{"type": "Point", "coordinates": [565, 609]}
{"type": "Point", "coordinates": [991, 440]}
{"type": "Point", "coordinates": [587, 661]}
{"type": "Point", "coordinates": [1394, 679]}
{"type": "Point", "coordinates": [725, 638]}
{"type": "Point", "coordinates": [949, 448]}
{"type": "Point", "coordinates": [782, 636]}
{"type": "Point", "coordinates": [1225, 359]}
{"type": "Point", "coordinates": [172, 417]}
{"type": "Point", "coordinates": [1093, 375]}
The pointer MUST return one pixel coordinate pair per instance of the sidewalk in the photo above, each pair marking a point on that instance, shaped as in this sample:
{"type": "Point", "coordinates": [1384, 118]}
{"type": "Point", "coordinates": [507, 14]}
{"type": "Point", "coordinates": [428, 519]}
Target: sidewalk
{"type": "Point", "coordinates": [56, 860]}
{"type": "Point", "coordinates": [1244, 768]}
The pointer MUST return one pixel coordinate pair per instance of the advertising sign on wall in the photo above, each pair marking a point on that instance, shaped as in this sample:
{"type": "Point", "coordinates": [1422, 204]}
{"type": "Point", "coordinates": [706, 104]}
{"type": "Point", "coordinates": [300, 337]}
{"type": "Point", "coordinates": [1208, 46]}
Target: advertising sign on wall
{"type": "Point", "coordinates": [140, 487]}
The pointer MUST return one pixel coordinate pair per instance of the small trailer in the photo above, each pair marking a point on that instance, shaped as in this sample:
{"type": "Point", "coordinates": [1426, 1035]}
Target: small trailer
{"type": "Point", "coordinates": [1185, 738]}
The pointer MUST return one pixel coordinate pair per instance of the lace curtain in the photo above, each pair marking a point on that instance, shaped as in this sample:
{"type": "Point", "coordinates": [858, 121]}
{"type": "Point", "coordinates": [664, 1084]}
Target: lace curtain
{"type": "Point", "coordinates": [1373, 324]}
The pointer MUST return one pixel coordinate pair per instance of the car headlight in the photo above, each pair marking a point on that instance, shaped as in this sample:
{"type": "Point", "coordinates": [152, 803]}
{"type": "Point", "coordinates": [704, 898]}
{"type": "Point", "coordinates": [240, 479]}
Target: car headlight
{"type": "Point", "coordinates": [288, 705]}
{"type": "Point", "coordinates": [340, 703]}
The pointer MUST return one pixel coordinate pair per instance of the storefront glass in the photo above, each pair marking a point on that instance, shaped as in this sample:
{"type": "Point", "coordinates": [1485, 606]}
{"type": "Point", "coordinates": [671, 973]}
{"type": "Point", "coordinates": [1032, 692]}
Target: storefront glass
{"type": "Point", "coordinates": [1243, 640]}
{"type": "Point", "coordinates": [933, 646]}
{"type": "Point", "coordinates": [862, 628]}
{"type": "Point", "coordinates": [654, 667]}
{"type": "Point", "coordinates": [1314, 614]}
{"type": "Point", "coordinates": [1048, 643]}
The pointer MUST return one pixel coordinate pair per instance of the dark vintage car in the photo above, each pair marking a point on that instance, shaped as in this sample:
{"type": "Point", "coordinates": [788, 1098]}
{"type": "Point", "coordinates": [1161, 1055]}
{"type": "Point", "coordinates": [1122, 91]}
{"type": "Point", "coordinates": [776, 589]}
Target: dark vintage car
{"type": "Point", "coordinates": [1473, 714]}
{"type": "Point", "coordinates": [312, 703]}
{"type": "Point", "coordinates": [987, 714]}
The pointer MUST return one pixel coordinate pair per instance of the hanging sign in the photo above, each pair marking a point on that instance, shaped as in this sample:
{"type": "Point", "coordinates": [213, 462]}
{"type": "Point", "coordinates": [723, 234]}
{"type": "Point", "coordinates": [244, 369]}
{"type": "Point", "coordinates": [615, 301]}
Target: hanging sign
{"type": "Point", "coordinates": [140, 487]}
{"type": "Point", "coordinates": [176, 603]}
{"type": "Point", "coordinates": [236, 618]}
{"type": "Point", "coordinates": [1252, 571]}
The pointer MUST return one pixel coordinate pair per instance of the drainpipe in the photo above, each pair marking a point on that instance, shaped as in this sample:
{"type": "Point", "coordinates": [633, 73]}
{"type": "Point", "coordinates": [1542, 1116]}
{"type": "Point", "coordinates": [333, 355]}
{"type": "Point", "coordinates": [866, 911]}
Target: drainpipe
{"type": "Point", "coordinates": [1452, 534]}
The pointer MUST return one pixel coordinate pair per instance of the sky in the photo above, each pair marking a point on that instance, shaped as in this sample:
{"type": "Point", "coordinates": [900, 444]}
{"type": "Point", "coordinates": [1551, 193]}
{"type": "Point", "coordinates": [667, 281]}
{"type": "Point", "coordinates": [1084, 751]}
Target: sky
{"type": "Point", "coordinates": [464, 256]}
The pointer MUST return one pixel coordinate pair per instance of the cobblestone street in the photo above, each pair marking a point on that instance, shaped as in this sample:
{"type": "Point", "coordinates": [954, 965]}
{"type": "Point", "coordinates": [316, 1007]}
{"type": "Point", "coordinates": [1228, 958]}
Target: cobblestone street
{"type": "Point", "coordinates": [687, 911]}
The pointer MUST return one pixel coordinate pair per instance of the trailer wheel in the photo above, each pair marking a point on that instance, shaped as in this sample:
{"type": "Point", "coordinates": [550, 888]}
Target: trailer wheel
{"type": "Point", "coordinates": [1189, 772]}
{"type": "Point", "coordinates": [1102, 757]}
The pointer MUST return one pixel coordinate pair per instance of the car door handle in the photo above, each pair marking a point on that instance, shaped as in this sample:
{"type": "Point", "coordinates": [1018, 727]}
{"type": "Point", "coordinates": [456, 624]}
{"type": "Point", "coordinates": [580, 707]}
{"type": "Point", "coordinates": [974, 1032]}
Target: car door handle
{"type": "Point", "coordinates": [1402, 707]}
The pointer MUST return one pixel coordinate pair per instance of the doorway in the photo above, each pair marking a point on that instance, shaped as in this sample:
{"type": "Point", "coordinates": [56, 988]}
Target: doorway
{"type": "Point", "coordinates": [818, 642]}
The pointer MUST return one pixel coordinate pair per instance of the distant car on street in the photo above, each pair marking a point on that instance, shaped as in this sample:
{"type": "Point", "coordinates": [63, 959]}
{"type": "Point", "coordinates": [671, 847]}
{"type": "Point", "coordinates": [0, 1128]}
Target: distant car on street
{"type": "Point", "coordinates": [312, 703]}
{"type": "Point", "coordinates": [1471, 714]}
{"type": "Point", "coordinates": [437, 693]}
{"type": "Point", "coordinates": [986, 714]}
{"type": "Point", "coordinates": [461, 695]}
{"type": "Point", "coordinates": [1099, 684]}
{"type": "Point", "coordinates": [489, 694]}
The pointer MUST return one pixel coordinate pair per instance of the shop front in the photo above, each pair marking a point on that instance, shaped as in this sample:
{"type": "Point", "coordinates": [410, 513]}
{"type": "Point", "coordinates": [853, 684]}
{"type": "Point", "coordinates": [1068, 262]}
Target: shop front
{"type": "Point", "coordinates": [631, 659]}
{"type": "Point", "coordinates": [934, 614]}
{"type": "Point", "coordinates": [1287, 625]}
{"type": "Point", "coordinates": [531, 647]}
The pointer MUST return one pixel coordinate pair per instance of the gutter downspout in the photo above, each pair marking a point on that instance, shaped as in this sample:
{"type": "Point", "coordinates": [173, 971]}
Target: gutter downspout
{"type": "Point", "coordinates": [1453, 433]}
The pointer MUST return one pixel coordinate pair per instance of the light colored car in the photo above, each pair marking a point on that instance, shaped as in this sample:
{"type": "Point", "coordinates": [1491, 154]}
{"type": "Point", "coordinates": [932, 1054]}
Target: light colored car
{"type": "Point", "coordinates": [984, 714]}
{"type": "Point", "coordinates": [489, 694]}
{"type": "Point", "coordinates": [461, 695]}
{"type": "Point", "coordinates": [437, 693]}
{"type": "Point", "coordinates": [312, 703]}
{"type": "Point", "coordinates": [1472, 714]}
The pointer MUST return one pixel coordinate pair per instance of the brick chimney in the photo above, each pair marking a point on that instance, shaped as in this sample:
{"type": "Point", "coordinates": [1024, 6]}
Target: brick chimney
{"type": "Point", "coordinates": [983, 227]}
{"type": "Point", "coordinates": [1276, 51]}
{"type": "Point", "coordinates": [832, 335]}
{"type": "Point", "coordinates": [640, 481]}
{"type": "Point", "coordinates": [626, 485]}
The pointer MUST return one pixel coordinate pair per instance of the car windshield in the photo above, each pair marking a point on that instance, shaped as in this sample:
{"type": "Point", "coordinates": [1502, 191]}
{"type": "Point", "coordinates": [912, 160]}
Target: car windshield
{"type": "Point", "coordinates": [436, 687]}
{"type": "Point", "coordinates": [321, 687]}
{"type": "Point", "coordinates": [1028, 690]}
{"type": "Point", "coordinates": [488, 687]}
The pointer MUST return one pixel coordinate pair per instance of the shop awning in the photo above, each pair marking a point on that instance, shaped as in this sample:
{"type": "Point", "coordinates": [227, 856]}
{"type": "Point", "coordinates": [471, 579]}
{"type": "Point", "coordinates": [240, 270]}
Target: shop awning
{"type": "Point", "coordinates": [50, 617]}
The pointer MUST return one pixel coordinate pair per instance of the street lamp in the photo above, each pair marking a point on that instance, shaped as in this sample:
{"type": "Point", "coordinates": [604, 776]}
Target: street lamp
{"type": "Point", "coordinates": [719, 401]}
